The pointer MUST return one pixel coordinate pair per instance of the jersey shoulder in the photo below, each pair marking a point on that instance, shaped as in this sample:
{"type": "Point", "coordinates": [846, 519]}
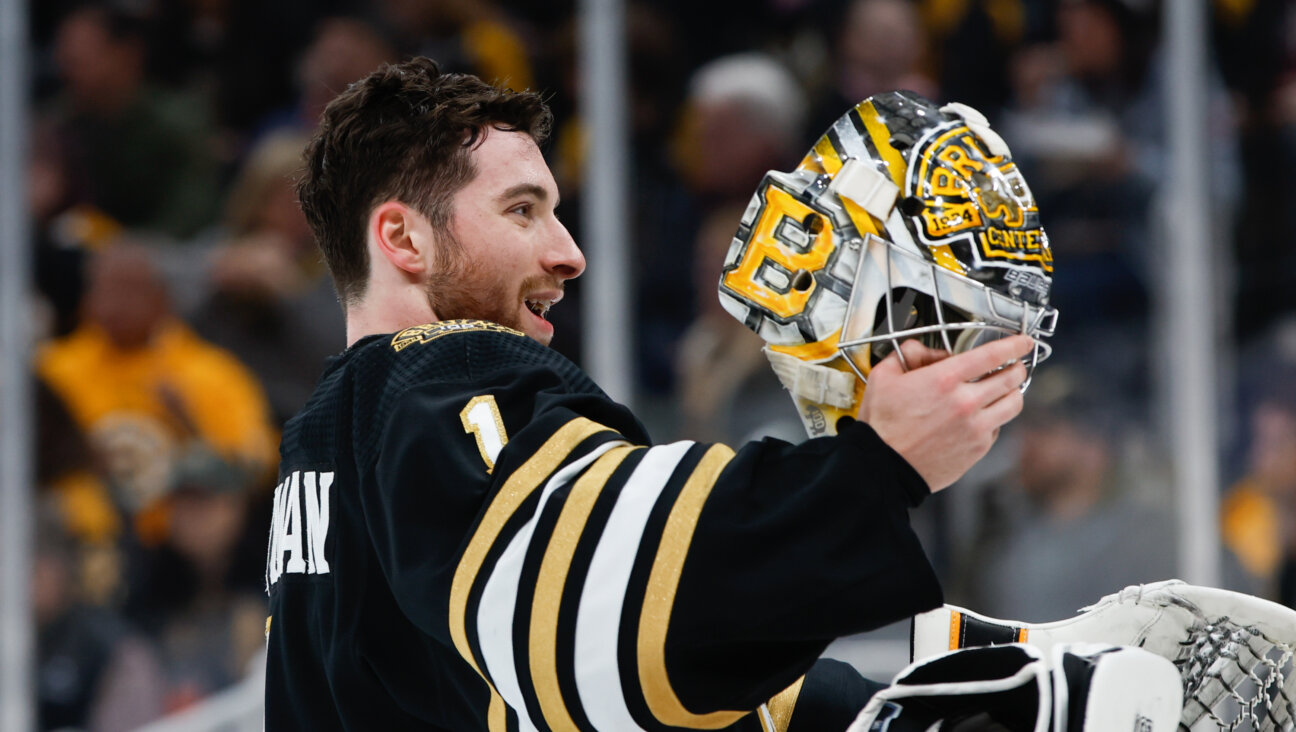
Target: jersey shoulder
{"type": "Point", "coordinates": [473, 351]}
{"type": "Point", "coordinates": [446, 363]}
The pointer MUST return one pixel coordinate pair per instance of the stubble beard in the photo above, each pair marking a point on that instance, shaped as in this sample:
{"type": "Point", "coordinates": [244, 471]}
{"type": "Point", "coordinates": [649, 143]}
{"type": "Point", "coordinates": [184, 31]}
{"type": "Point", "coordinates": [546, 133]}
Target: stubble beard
{"type": "Point", "coordinates": [464, 288]}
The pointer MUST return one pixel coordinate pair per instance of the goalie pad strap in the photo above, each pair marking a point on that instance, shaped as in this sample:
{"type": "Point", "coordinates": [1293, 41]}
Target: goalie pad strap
{"type": "Point", "coordinates": [812, 382]}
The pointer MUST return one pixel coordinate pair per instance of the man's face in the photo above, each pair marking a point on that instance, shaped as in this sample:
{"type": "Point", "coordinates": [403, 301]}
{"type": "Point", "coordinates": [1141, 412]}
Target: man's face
{"type": "Point", "coordinates": [506, 255]}
{"type": "Point", "coordinates": [126, 297]}
{"type": "Point", "coordinates": [98, 70]}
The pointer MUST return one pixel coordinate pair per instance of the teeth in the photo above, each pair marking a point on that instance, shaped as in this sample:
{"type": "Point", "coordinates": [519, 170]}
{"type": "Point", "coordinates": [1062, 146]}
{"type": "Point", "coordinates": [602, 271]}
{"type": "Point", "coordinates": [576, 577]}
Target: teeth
{"type": "Point", "coordinates": [539, 307]}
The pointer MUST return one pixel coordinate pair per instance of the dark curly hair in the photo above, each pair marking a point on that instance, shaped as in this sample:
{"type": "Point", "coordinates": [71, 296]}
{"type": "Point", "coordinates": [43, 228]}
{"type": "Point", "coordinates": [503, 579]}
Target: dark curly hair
{"type": "Point", "coordinates": [403, 133]}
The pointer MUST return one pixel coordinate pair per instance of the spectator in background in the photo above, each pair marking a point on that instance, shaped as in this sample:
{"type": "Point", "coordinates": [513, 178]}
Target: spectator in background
{"type": "Point", "coordinates": [158, 404]}
{"type": "Point", "coordinates": [744, 115]}
{"type": "Point", "coordinates": [880, 46]}
{"type": "Point", "coordinates": [144, 155]}
{"type": "Point", "coordinates": [237, 55]}
{"type": "Point", "coordinates": [1083, 519]}
{"type": "Point", "coordinates": [65, 229]}
{"type": "Point", "coordinates": [272, 303]}
{"type": "Point", "coordinates": [92, 672]}
{"type": "Point", "coordinates": [1087, 128]}
{"type": "Point", "coordinates": [1266, 287]}
{"type": "Point", "coordinates": [972, 42]}
{"type": "Point", "coordinates": [341, 50]}
{"type": "Point", "coordinates": [469, 36]}
{"type": "Point", "coordinates": [200, 593]}
{"type": "Point", "coordinates": [727, 391]}
{"type": "Point", "coordinates": [657, 73]}
{"type": "Point", "coordinates": [1258, 511]}
{"type": "Point", "coordinates": [69, 475]}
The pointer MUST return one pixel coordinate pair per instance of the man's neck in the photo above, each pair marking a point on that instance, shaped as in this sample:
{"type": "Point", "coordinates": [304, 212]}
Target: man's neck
{"type": "Point", "coordinates": [389, 313]}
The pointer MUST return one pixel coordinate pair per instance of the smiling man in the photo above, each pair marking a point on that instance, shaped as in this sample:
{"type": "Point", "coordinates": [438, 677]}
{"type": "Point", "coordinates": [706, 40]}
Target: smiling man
{"type": "Point", "coordinates": [470, 535]}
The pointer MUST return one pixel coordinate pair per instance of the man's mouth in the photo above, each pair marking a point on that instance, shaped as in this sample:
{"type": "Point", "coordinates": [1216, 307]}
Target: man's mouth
{"type": "Point", "coordinates": [539, 307]}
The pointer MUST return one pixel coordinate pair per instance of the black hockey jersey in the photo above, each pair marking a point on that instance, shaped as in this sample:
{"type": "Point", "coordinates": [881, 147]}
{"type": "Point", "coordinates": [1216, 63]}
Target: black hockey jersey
{"type": "Point", "coordinates": [468, 534]}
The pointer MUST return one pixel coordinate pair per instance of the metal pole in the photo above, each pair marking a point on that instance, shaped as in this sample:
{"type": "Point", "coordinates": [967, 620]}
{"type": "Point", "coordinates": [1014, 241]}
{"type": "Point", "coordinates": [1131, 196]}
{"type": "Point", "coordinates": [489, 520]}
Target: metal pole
{"type": "Point", "coordinates": [17, 635]}
{"type": "Point", "coordinates": [607, 303]}
{"type": "Point", "coordinates": [1188, 356]}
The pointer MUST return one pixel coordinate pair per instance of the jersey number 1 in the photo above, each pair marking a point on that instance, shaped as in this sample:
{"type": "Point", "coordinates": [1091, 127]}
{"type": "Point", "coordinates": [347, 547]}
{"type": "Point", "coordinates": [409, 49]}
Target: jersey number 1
{"type": "Point", "coordinates": [481, 417]}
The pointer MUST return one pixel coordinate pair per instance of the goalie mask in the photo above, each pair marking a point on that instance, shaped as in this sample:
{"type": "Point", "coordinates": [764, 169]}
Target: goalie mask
{"type": "Point", "coordinates": [906, 220]}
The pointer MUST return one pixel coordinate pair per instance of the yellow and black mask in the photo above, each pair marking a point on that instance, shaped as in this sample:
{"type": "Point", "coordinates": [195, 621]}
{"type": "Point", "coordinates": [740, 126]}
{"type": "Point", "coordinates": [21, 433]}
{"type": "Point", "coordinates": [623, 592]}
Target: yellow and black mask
{"type": "Point", "coordinates": [905, 220]}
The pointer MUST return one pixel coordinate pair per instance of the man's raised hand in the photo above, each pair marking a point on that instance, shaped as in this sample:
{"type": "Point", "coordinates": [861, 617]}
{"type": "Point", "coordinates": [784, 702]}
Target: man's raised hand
{"type": "Point", "coordinates": [944, 412]}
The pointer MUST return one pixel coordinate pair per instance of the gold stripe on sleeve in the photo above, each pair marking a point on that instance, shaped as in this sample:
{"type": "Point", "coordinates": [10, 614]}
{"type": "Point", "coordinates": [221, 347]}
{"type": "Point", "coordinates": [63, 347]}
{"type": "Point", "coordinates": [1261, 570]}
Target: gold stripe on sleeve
{"type": "Point", "coordinates": [497, 714]}
{"type": "Point", "coordinates": [551, 580]}
{"type": "Point", "coordinates": [663, 582]}
{"type": "Point", "coordinates": [783, 704]}
{"type": "Point", "coordinates": [521, 484]}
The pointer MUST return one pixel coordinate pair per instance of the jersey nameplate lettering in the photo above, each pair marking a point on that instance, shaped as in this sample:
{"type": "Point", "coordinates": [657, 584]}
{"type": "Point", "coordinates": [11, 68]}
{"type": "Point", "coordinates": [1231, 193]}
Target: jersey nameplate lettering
{"type": "Point", "coordinates": [299, 526]}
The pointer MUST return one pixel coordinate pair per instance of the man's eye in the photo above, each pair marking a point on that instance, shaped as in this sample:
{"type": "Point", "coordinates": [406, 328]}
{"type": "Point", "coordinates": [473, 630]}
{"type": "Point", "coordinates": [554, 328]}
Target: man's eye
{"type": "Point", "coordinates": [521, 209]}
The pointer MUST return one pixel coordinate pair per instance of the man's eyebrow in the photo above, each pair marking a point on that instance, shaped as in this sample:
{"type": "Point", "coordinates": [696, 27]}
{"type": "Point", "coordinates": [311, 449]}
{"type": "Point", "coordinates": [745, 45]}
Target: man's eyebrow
{"type": "Point", "coordinates": [524, 188]}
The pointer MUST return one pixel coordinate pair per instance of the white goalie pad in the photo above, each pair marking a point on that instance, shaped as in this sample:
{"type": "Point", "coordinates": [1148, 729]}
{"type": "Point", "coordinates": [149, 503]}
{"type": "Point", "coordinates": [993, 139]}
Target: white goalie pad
{"type": "Point", "coordinates": [1234, 652]}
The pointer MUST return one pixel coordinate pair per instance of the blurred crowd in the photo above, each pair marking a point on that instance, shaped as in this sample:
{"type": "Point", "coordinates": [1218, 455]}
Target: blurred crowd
{"type": "Point", "coordinates": [184, 313]}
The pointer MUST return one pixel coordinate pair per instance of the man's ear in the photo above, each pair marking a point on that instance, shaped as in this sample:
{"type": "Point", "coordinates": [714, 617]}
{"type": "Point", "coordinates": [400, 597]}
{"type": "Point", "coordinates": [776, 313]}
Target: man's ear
{"type": "Point", "coordinates": [402, 235]}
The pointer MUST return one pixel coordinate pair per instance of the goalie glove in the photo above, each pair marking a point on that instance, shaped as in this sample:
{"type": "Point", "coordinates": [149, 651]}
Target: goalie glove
{"type": "Point", "coordinates": [905, 220]}
{"type": "Point", "coordinates": [1235, 653]}
{"type": "Point", "coordinates": [1017, 688]}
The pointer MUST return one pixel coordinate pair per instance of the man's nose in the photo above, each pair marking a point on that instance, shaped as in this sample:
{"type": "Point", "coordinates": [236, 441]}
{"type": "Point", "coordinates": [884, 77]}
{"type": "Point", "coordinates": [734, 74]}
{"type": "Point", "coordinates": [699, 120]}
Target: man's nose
{"type": "Point", "coordinates": [563, 257]}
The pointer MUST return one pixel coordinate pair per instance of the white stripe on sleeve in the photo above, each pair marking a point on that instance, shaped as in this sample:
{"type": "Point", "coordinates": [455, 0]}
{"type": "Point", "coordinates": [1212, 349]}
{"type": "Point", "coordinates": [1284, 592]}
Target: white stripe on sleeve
{"type": "Point", "coordinates": [599, 617]}
{"type": "Point", "coordinates": [496, 610]}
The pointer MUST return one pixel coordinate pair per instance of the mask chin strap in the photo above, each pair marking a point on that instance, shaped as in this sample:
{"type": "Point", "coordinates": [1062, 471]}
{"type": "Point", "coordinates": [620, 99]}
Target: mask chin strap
{"type": "Point", "coordinates": [812, 382]}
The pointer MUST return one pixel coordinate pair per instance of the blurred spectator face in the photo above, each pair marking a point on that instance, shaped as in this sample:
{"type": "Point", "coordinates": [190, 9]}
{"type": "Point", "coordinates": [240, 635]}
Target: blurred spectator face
{"type": "Point", "coordinates": [126, 296]}
{"type": "Point", "coordinates": [1090, 37]}
{"type": "Point", "coordinates": [736, 150]}
{"type": "Point", "coordinates": [343, 51]}
{"type": "Point", "coordinates": [262, 199]}
{"type": "Point", "coordinates": [205, 525]}
{"type": "Point", "coordinates": [745, 114]}
{"type": "Point", "coordinates": [880, 46]}
{"type": "Point", "coordinates": [1044, 459]}
{"type": "Point", "coordinates": [102, 73]}
{"type": "Point", "coordinates": [1054, 454]}
{"type": "Point", "coordinates": [1272, 456]}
